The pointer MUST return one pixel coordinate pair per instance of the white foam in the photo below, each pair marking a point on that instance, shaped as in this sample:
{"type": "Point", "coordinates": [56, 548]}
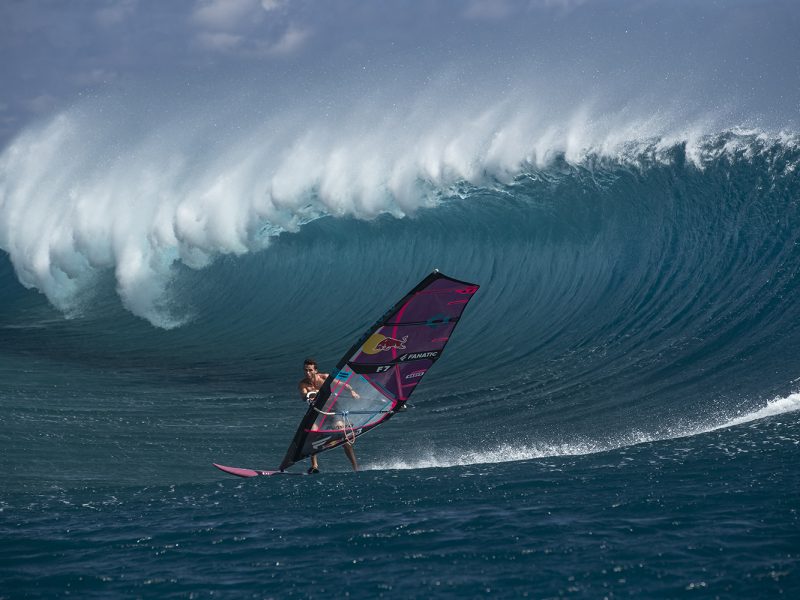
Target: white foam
{"type": "Point", "coordinates": [777, 406]}
{"type": "Point", "coordinates": [499, 454]}
{"type": "Point", "coordinates": [504, 453]}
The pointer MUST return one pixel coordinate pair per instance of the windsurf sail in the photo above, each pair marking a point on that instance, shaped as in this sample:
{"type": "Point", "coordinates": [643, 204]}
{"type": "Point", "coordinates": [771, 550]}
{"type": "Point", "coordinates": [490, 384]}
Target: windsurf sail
{"type": "Point", "coordinates": [377, 375]}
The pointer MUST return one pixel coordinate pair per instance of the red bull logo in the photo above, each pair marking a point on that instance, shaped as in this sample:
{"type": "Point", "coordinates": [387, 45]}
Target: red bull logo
{"type": "Point", "coordinates": [378, 342]}
{"type": "Point", "coordinates": [389, 343]}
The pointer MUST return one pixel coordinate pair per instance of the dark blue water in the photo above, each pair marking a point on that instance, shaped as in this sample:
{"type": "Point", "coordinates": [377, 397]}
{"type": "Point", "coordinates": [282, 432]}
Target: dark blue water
{"type": "Point", "coordinates": [616, 415]}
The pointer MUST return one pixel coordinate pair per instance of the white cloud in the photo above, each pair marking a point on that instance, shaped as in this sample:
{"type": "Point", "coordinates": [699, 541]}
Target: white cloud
{"type": "Point", "coordinates": [272, 4]}
{"type": "Point", "coordinates": [226, 15]}
{"type": "Point", "coordinates": [234, 26]}
{"type": "Point", "coordinates": [292, 39]}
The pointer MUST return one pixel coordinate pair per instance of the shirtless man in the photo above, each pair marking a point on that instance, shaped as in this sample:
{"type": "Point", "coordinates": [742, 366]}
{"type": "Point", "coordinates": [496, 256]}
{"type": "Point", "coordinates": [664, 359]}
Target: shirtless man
{"type": "Point", "coordinates": [311, 383]}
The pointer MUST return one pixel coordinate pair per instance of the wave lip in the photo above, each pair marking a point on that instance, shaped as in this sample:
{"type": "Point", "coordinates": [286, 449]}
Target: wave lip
{"type": "Point", "coordinates": [84, 194]}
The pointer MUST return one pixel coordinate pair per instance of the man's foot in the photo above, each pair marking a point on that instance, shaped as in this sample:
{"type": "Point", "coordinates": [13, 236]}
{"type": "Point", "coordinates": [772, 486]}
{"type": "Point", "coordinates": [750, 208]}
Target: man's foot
{"type": "Point", "coordinates": [312, 470]}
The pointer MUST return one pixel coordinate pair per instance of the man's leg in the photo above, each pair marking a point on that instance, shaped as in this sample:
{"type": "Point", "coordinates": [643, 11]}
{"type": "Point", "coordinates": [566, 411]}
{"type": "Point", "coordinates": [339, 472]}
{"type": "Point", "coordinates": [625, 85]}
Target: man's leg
{"type": "Point", "coordinates": [351, 454]}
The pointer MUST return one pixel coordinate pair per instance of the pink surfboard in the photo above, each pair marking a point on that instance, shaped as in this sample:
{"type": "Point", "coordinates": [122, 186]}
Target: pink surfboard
{"type": "Point", "coordinates": [251, 472]}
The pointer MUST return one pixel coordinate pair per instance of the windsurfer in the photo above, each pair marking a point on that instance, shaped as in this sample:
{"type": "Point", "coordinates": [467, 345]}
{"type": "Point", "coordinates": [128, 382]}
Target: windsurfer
{"type": "Point", "coordinates": [309, 386]}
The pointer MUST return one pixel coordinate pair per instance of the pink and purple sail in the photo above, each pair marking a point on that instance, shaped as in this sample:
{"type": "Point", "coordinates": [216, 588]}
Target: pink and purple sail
{"type": "Point", "coordinates": [380, 372]}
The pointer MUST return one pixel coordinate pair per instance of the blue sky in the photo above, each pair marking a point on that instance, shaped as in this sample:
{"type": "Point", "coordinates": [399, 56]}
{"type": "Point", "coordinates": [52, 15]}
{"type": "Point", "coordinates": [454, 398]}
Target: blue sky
{"type": "Point", "coordinates": [742, 54]}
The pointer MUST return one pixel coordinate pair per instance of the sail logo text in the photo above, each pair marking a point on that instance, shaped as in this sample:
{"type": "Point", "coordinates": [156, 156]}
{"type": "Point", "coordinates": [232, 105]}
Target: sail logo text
{"type": "Point", "coordinates": [419, 355]}
{"type": "Point", "coordinates": [320, 442]}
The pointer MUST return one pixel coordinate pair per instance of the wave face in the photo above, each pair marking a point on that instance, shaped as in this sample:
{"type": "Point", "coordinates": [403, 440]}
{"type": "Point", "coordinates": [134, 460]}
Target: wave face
{"type": "Point", "coordinates": [643, 296]}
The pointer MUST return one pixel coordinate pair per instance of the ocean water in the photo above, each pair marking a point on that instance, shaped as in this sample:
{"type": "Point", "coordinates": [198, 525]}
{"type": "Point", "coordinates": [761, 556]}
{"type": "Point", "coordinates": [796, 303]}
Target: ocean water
{"type": "Point", "coordinates": [617, 414]}
{"type": "Point", "coordinates": [210, 192]}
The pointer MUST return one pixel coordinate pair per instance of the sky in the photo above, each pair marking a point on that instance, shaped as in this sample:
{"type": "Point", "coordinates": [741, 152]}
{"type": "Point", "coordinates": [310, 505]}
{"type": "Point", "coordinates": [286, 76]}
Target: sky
{"type": "Point", "coordinates": [734, 55]}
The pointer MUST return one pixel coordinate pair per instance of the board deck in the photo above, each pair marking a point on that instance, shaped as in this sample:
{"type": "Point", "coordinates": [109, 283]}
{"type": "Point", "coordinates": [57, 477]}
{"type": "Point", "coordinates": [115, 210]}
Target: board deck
{"type": "Point", "coordinates": [239, 472]}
